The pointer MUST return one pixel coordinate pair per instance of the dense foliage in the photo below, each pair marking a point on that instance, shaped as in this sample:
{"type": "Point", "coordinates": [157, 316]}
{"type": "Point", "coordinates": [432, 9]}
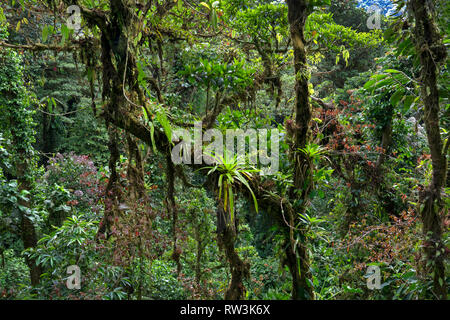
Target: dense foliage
{"type": "Point", "coordinates": [90, 115]}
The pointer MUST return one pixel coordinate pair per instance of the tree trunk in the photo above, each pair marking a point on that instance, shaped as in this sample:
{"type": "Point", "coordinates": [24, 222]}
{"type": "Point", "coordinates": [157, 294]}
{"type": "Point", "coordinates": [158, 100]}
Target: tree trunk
{"type": "Point", "coordinates": [48, 138]}
{"type": "Point", "coordinates": [29, 237]}
{"type": "Point", "coordinates": [297, 256]}
{"type": "Point", "coordinates": [22, 157]}
{"type": "Point", "coordinates": [432, 52]}
{"type": "Point", "coordinates": [226, 237]}
{"type": "Point", "coordinates": [172, 208]}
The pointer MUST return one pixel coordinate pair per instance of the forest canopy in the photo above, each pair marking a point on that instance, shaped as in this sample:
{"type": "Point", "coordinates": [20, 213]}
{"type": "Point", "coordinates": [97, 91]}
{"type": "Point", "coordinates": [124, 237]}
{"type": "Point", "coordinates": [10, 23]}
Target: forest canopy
{"type": "Point", "coordinates": [230, 149]}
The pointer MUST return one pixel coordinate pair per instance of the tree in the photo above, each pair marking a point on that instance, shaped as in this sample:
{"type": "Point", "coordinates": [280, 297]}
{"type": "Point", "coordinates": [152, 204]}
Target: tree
{"type": "Point", "coordinates": [296, 249]}
{"type": "Point", "coordinates": [432, 54]}
{"type": "Point", "coordinates": [17, 124]}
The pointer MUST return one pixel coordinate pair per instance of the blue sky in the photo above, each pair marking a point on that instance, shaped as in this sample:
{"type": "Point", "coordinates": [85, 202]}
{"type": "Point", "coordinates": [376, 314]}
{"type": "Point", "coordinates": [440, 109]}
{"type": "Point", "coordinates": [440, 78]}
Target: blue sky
{"type": "Point", "coordinates": [386, 5]}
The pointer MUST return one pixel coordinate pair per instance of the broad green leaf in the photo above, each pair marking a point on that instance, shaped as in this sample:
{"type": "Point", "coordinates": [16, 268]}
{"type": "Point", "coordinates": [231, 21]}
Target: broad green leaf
{"type": "Point", "coordinates": [214, 19]}
{"type": "Point", "coordinates": [383, 83]}
{"type": "Point", "coordinates": [392, 71]}
{"type": "Point", "coordinates": [205, 5]}
{"type": "Point", "coordinates": [408, 101]}
{"type": "Point", "coordinates": [164, 121]}
{"type": "Point", "coordinates": [231, 196]}
{"type": "Point", "coordinates": [64, 33]}
{"type": "Point", "coordinates": [152, 135]}
{"type": "Point", "coordinates": [45, 33]}
{"type": "Point", "coordinates": [397, 97]}
{"type": "Point", "coordinates": [369, 84]}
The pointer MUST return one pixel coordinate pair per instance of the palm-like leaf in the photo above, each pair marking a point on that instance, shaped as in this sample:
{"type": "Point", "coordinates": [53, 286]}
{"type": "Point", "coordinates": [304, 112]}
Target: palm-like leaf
{"type": "Point", "coordinates": [231, 170]}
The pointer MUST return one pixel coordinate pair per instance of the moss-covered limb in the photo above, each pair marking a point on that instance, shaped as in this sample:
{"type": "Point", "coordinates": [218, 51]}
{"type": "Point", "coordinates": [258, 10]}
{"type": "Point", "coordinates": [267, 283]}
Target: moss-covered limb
{"type": "Point", "coordinates": [298, 12]}
{"type": "Point", "coordinates": [172, 209]}
{"type": "Point", "coordinates": [240, 270]}
{"type": "Point", "coordinates": [28, 231]}
{"type": "Point", "coordinates": [273, 80]}
{"type": "Point", "coordinates": [432, 53]}
{"type": "Point", "coordinates": [29, 239]}
{"type": "Point", "coordinates": [40, 47]}
{"type": "Point", "coordinates": [135, 171]}
{"type": "Point", "coordinates": [297, 15]}
{"type": "Point", "coordinates": [113, 194]}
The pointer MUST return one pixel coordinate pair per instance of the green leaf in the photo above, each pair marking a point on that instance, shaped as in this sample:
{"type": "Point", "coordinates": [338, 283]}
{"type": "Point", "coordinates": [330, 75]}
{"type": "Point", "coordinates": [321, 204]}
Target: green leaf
{"type": "Point", "coordinates": [141, 73]}
{"type": "Point", "coordinates": [220, 180]}
{"type": "Point", "coordinates": [64, 33]}
{"type": "Point", "coordinates": [321, 194]}
{"type": "Point", "coordinates": [152, 136]}
{"type": "Point", "coordinates": [392, 71]}
{"type": "Point", "coordinates": [220, 186]}
{"type": "Point", "coordinates": [404, 46]}
{"type": "Point", "coordinates": [397, 97]}
{"type": "Point", "coordinates": [372, 83]}
{"type": "Point", "coordinates": [214, 19]}
{"type": "Point", "coordinates": [164, 121]}
{"type": "Point", "coordinates": [245, 183]}
{"type": "Point", "coordinates": [231, 196]}
{"type": "Point", "coordinates": [383, 83]}
{"type": "Point", "coordinates": [379, 76]}
{"type": "Point", "coordinates": [205, 5]}
{"type": "Point", "coordinates": [369, 84]}
{"type": "Point", "coordinates": [225, 197]}
{"type": "Point", "coordinates": [408, 101]}
{"type": "Point", "coordinates": [45, 33]}
{"type": "Point", "coordinates": [388, 33]}
{"type": "Point", "coordinates": [408, 275]}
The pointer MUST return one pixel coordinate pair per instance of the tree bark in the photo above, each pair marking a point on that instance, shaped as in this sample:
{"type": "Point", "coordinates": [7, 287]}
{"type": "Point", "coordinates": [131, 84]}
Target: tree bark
{"type": "Point", "coordinates": [240, 270]}
{"type": "Point", "coordinates": [296, 254]}
{"type": "Point", "coordinates": [28, 233]}
{"type": "Point", "coordinates": [172, 208]}
{"type": "Point", "coordinates": [432, 52]}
